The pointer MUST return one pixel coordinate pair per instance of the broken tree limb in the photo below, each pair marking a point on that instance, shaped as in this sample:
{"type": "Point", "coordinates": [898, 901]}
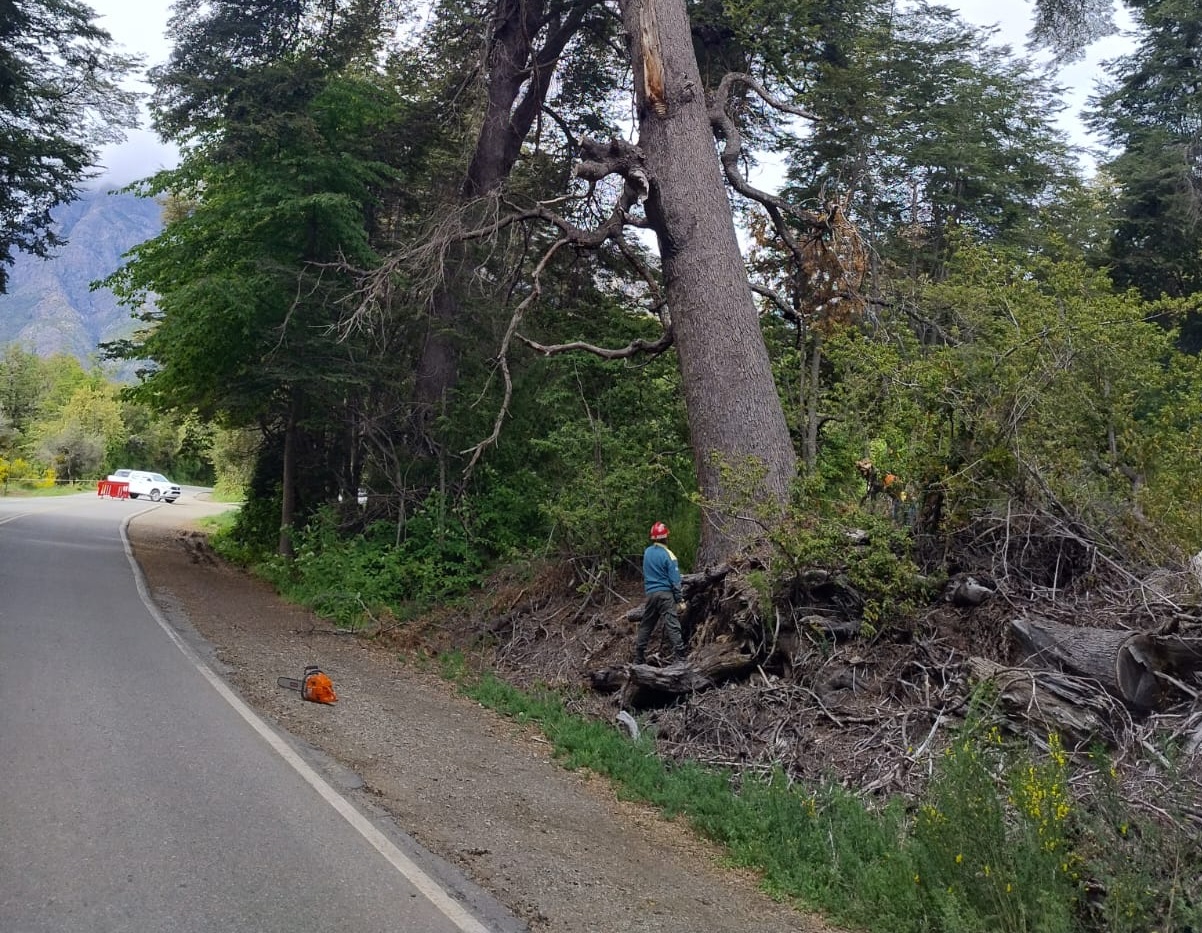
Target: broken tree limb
{"type": "Point", "coordinates": [1122, 661]}
{"type": "Point", "coordinates": [707, 666]}
{"type": "Point", "coordinates": [1038, 703]}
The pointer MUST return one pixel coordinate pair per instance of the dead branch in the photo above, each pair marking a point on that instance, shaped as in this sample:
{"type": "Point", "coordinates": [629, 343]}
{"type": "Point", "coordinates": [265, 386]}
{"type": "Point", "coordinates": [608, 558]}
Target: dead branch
{"type": "Point", "coordinates": [832, 256]}
{"type": "Point", "coordinates": [635, 348]}
{"type": "Point", "coordinates": [502, 360]}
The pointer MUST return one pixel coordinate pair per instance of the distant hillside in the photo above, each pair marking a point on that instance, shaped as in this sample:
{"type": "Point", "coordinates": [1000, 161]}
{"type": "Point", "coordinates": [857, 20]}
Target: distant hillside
{"type": "Point", "coordinates": [49, 308]}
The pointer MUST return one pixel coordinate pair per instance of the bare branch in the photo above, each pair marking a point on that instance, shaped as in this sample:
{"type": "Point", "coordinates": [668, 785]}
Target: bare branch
{"type": "Point", "coordinates": [787, 311]}
{"type": "Point", "coordinates": [634, 348]}
{"type": "Point", "coordinates": [503, 359]}
{"type": "Point", "coordinates": [727, 130]}
{"type": "Point", "coordinates": [775, 102]}
{"type": "Point", "coordinates": [832, 256]}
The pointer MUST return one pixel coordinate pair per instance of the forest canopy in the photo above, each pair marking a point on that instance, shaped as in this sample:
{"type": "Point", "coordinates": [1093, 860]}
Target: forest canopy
{"type": "Point", "coordinates": [497, 283]}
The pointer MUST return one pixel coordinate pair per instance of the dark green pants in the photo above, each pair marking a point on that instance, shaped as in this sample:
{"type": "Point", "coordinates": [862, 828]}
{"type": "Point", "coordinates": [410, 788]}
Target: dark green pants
{"type": "Point", "coordinates": [659, 606]}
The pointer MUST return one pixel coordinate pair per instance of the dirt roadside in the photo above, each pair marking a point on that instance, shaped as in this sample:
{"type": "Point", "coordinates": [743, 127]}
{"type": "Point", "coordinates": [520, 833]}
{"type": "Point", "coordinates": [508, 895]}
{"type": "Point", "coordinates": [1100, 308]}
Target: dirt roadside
{"type": "Point", "coordinates": [556, 847]}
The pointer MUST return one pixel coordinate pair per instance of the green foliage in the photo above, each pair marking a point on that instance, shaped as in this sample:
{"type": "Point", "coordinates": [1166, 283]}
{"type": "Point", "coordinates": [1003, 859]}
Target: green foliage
{"type": "Point", "coordinates": [928, 128]}
{"type": "Point", "coordinates": [378, 570]}
{"type": "Point", "coordinates": [860, 550]}
{"type": "Point", "coordinates": [19, 474]}
{"type": "Point", "coordinates": [1145, 861]}
{"type": "Point", "coordinates": [1150, 115]}
{"type": "Point", "coordinates": [616, 484]}
{"type": "Point", "coordinates": [24, 387]}
{"type": "Point", "coordinates": [988, 863]}
{"type": "Point", "coordinates": [1034, 381]}
{"type": "Point", "coordinates": [59, 414]}
{"type": "Point", "coordinates": [61, 99]}
{"type": "Point", "coordinates": [254, 533]}
{"type": "Point", "coordinates": [73, 452]}
{"type": "Point", "coordinates": [233, 455]}
{"type": "Point", "coordinates": [292, 139]}
{"type": "Point", "coordinates": [593, 452]}
{"type": "Point", "coordinates": [996, 844]}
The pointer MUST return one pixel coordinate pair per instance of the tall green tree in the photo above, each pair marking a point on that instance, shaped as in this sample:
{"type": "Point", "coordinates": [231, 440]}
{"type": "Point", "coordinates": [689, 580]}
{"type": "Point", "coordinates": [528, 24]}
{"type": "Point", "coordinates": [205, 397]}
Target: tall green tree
{"type": "Point", "coordinates": [60, 99]}
{"type": "Point", "coordinates": [1151, 116]}
{"type": "Point", "coordinates": [24, 384]}
{"type": "Point", "coordinates": [734, 412]}
{"type": "Point", "coordinates": [675, 182]}
{"type": "Point", "coordinates": [926, 128]}
{"type": "Point", "coordinates": [287, 130]}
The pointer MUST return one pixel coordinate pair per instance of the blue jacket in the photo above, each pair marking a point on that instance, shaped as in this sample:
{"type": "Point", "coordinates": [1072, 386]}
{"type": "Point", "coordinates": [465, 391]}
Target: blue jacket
{"type": "Point", "coordinates": [661, 574]}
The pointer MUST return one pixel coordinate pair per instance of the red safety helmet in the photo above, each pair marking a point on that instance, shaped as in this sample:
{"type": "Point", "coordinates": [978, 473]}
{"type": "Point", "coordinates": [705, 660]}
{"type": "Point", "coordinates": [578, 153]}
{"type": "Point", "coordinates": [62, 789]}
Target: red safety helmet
{"type": "Point", "coordinates": [659, 531]}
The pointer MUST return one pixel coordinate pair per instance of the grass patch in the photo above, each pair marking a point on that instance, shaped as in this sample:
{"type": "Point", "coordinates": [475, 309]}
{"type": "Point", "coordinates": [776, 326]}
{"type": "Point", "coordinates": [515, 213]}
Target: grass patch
{"type": "Point", "coordinates": [33, 488]}
{"type": "Point", "coordinates": [220, 523]}
{"type": "Point", "coordinates": [227, 492]}
{"type": "Point", "coordinates": [995, 845]}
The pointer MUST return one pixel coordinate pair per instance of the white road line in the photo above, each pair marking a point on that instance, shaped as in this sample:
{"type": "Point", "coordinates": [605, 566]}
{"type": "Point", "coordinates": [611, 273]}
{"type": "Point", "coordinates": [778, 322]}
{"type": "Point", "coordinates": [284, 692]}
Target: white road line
{"type": "Point", "coordinates": [14, 517]}
{"type": "Point", "coordinates": [430, 888]}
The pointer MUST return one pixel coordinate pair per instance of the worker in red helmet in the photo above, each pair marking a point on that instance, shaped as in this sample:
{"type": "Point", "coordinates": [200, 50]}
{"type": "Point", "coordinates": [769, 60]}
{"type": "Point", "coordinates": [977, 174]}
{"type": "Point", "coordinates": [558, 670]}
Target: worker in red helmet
{"type": "Point", "coordinates": [665, 599]}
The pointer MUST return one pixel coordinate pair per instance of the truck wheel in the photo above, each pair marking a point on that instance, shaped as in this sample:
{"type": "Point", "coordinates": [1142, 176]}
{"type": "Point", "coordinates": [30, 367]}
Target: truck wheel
{"type": "Point", "coordinates": [155, 495]}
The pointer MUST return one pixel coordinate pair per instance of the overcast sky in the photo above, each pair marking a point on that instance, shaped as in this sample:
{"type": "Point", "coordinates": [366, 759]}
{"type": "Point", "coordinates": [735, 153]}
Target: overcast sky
{"type": "Point", "coordinates": [139, 27]}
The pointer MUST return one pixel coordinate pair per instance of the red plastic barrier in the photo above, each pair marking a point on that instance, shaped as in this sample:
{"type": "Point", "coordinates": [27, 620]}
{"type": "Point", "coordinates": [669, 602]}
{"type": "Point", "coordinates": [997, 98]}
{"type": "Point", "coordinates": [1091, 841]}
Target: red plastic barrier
{"type": "Point", "coordinates": [115, 489]}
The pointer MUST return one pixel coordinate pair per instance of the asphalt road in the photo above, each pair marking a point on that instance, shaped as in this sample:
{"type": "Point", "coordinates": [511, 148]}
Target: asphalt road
{"type": "Point", "coordinates": [137, 793]}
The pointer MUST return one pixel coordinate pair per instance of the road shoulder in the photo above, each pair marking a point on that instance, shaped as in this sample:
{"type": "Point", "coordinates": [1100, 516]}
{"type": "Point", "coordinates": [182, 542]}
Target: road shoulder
{"type": "Point", "coordinates": [556, 847]}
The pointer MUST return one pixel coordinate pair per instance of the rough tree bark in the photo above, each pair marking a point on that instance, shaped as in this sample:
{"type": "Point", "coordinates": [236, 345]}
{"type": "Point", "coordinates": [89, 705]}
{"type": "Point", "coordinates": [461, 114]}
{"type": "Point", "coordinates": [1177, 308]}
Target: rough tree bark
{"type": "Point", "coordinates": [1124, 662]}
{"type": "Point", "coordinates": [734, 411]}
{"type": "Point", "coordinates": [519, 76]}
{"type": "Point", "coordinates": [1039, 703]}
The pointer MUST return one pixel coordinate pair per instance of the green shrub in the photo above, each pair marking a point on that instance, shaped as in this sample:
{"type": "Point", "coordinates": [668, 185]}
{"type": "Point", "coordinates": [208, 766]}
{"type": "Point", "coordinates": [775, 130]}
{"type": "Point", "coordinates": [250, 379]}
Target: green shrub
{"type": "Point", "coordinates": [348, 578]}
{"type": "Point", "coordinates": [995, 845]}
{"type": "Point", "coordinates": [1144, 862]}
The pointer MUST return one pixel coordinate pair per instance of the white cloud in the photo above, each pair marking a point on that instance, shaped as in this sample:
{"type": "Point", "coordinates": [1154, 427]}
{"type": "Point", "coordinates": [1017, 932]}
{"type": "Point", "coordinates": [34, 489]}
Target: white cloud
{"type": "Point", "coordinates": [137, 28]}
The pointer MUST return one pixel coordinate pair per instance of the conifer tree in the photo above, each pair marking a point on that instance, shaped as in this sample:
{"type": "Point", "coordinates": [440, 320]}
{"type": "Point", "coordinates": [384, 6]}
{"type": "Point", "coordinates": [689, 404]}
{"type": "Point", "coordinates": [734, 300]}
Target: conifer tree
{"type": "Point", "coordinates": [1151, 114]}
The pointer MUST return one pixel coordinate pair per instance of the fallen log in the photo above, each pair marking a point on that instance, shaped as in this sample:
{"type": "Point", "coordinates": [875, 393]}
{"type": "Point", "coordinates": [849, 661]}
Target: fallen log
{"type": "Point", "coordinates": [1123, 662]}
{"type": "Point", "coordinates": [690, 584]}
{"type": "Point", "coordinates": [1039, 703]}
{"type": "Point", "coordinates": [1182, 655]}
{"type": "Point", "coordinates": [705, 666]}
{"type": "Point", "coordinates": [837, 628]}
{"type": "Point", "coordinates": [643, 684]}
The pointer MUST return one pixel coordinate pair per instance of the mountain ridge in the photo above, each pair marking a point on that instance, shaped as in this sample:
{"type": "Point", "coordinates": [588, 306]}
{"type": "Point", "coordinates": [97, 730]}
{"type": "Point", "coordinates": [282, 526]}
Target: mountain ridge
{"type": "Point", "coordinates": [50, 306]}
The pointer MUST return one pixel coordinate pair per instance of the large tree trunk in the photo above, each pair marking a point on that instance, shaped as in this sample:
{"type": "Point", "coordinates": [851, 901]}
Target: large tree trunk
{"type": "Point", "coordinates": [1123, 662]}
{"type": "Point", "coordinates": [735, 414]}
{"type": "Point", "coordinates": [288, 481]}
{"type": "Point", "coordinates": [519, 75]}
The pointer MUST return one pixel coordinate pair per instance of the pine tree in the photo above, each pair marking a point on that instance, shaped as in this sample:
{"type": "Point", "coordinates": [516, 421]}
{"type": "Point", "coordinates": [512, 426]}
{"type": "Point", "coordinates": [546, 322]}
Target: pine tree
{"type": "Point", "coordinates": [1152, 117]}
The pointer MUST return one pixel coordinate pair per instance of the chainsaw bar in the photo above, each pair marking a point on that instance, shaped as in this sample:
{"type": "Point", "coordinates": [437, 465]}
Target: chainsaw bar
{"type": "Point", "coordinates": [291, 683]}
